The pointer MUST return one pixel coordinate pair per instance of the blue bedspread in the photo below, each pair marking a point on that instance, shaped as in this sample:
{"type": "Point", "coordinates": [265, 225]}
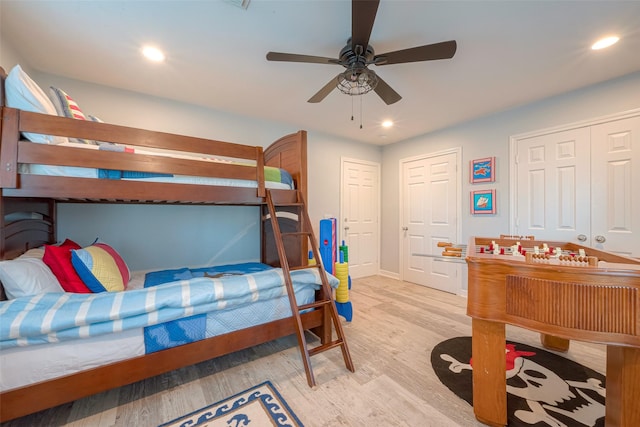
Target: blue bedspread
{"type": "Point", "coordinates": [194, 328]}
{"type": "Point", "coordinates": [54, 317]}
{"type": "Point", "coordinates": [158, 277]}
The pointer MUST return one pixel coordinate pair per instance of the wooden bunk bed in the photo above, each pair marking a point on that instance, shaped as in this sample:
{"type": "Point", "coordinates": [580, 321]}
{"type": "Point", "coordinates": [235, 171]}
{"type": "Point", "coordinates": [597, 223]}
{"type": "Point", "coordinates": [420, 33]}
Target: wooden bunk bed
{"type": "Point", "coordinates": [22, 192]}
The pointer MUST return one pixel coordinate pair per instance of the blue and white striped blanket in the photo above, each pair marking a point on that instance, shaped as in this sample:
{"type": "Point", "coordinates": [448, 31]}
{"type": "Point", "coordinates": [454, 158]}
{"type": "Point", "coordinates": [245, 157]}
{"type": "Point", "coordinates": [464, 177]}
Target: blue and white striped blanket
{"type": "Point", "coordinates": [54, 317]}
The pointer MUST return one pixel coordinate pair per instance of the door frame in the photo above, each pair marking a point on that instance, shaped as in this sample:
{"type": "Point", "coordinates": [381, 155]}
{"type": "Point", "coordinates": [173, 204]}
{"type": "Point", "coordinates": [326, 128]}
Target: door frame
{"type": "Point", "coordinates": [513, 154]}
{"type": "Point", "coordinates": [340, 233]}
{"type": "Point", "coordinates": [458, 153]}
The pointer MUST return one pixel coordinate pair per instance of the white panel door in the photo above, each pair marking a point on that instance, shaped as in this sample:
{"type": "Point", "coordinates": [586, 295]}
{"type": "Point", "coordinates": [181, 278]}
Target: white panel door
{"type": "Point", "coordinates": [581, 185]}
{"type": "Point", "coordinates": [360, 208]}
{"type": "Point", "coordinates": [553, 175]}
{"type": "Point", "coordinates": [414, 219]}
{"type": "Point", "coordinates": [430, 209]}
{"type": "Point", "coordinates": [615, 186]}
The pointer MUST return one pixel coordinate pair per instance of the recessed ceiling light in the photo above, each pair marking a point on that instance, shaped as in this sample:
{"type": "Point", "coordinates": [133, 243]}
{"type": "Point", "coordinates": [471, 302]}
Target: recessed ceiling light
{"type": "Point", "coordinates": [153, 54]}
{"type": "Point", "coordinates": [387, 124]}
{"type": "Point", "coordinates": [605, 42]}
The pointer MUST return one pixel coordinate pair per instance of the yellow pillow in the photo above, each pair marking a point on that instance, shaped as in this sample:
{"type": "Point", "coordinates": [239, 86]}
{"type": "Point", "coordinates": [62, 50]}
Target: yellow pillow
{"type": "Point", "coordinates": [101, 268]}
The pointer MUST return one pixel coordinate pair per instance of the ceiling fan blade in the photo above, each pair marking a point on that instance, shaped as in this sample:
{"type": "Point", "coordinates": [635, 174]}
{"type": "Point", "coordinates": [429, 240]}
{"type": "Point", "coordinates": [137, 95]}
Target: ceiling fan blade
{"type": "Point", "coordinates": [326, 90]}
{"type": "Point", "coordinates": [363, 14]}
{"type": "Point", "coordinates": [430, 52]}
{"type": "Point", "coordinates": [384, 91]}
{"type": "Point", "coordinates": [292, 57]}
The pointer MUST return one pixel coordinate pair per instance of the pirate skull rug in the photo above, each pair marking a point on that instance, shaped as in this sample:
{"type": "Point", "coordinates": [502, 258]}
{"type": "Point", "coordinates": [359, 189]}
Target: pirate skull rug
{"type": "Point", "coordinates": [543, 389]}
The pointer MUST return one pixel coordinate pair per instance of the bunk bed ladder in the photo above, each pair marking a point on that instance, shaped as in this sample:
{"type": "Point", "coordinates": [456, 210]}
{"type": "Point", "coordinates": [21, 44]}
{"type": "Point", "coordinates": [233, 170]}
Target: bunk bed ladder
{"type": "Point", "coordinates": [325, 302]}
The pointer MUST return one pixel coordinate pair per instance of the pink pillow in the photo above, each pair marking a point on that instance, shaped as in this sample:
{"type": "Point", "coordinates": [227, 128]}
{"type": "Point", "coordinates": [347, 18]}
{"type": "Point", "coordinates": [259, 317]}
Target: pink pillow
{"type": "Point", "coordinates": [58, 258]}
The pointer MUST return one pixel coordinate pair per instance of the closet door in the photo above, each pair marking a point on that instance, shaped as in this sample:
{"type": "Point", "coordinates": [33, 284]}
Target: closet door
{"type": "Point", "coordinates": [615, 186]}
{"type": "Point", "coordinates": [581, 185]}
{"type": "Point", "coordinates": [553, 176]}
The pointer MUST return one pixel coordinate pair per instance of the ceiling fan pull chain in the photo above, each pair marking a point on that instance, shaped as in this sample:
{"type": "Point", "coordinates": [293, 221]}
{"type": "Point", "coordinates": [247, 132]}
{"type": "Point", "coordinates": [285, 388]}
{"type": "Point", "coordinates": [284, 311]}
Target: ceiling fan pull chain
{"type": "Point", "coordinates": [360, 112]}
{"type": "Point", "coordinates": [352, 108]}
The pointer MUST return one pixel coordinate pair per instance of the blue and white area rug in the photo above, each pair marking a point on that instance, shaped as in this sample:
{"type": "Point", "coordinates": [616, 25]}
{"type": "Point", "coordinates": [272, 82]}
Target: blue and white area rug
{"type": "Point", "coordinates": [258, 406]}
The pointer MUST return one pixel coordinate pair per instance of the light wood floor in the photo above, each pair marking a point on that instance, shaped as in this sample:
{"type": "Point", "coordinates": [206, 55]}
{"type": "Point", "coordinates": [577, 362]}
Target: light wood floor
{"type": "Point", "coordinates": [395, 325]}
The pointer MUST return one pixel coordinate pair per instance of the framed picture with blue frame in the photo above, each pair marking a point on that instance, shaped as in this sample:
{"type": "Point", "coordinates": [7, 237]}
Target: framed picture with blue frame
{"type": "Point", "coordinates": [483, 202]}
{"type": "Point", "coordinates": [482, 170]}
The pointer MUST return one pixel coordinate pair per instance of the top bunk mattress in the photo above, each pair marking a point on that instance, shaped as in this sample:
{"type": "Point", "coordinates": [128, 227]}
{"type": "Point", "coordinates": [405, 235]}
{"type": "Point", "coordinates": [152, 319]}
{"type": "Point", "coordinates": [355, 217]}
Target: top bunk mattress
{"type": "Point", "coordinates": [275, 178]}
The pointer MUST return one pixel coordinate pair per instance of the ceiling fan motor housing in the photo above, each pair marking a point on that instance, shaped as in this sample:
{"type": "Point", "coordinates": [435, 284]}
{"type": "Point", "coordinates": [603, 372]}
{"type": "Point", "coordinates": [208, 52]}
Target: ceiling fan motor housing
{"type": "Point", "coordinates": [348, 57]}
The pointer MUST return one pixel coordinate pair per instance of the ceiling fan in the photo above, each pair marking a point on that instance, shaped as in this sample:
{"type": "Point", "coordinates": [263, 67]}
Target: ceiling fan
{"type": "Point", "coordinates": [357, 55]}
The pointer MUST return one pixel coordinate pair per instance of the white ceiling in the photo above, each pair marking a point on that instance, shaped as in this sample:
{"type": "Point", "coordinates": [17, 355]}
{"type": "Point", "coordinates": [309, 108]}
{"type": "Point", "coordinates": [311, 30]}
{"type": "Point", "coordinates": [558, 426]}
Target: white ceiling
{"type": "Point", "coordinates": [509, 53]}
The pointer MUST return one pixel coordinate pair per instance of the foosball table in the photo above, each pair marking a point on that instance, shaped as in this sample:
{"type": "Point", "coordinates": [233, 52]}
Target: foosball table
{"type": "Point", "coordinates": [566, 292]}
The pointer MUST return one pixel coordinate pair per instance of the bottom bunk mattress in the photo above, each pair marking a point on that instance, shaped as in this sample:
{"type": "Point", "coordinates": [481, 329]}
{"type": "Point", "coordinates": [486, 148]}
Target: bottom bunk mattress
{"type": "Point", "coordinates": [44, 340]}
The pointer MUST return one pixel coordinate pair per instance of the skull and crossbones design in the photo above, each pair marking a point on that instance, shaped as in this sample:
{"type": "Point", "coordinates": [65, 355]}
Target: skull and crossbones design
{"type": "Point", "coordinates": [550, 399]}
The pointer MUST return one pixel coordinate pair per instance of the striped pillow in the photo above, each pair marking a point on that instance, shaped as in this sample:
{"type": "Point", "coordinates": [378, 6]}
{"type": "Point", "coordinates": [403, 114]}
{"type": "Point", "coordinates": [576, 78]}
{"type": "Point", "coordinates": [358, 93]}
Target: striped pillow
{"type": "Point", "coordinates": [101, 268]}
{"type": "Point", "coordinates": [67, 107]}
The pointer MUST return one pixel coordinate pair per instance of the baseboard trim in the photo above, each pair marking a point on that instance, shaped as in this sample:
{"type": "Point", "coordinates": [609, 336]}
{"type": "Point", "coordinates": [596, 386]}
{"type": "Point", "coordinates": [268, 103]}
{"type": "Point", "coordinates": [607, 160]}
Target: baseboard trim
{"type": "Point", "coordinates": [389, 274]}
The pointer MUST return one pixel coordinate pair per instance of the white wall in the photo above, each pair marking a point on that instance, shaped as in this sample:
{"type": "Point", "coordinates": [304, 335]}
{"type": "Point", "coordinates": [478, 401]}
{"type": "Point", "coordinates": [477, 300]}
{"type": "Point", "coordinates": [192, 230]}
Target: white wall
{"type": "Point", "coordinates": [489, 136]}
{"type": "Point", "coordinates": [324, 173]}
{"type": "Point", "coordinates": [10, 57]}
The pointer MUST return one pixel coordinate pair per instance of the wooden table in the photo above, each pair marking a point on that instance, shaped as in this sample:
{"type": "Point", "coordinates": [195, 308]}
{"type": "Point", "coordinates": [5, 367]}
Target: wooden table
{"type": "Point", "coordinates": [563, 300]}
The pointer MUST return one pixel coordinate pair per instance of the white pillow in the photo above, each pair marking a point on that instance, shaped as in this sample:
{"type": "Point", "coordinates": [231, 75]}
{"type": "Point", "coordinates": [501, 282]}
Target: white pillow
{"type": "Point", "coordinates": [25, 94]}
{"type": "Point", "coordinates": [27, 276]}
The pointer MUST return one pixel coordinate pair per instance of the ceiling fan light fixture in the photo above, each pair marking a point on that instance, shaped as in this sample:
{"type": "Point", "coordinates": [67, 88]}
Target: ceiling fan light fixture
{"type": "Point", "coordinates": [357, 81]}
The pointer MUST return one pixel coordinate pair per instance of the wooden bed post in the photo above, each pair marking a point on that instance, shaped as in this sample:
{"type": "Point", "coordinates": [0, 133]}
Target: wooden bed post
{"type": "Point", "coordinates": [260, 172]}
{"type": "Point", "coordinates": [9, 147]}
{"type": "Point", "coordinates": [288, 153]}
{"type": "Point", "coordinates": [3, 232]}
